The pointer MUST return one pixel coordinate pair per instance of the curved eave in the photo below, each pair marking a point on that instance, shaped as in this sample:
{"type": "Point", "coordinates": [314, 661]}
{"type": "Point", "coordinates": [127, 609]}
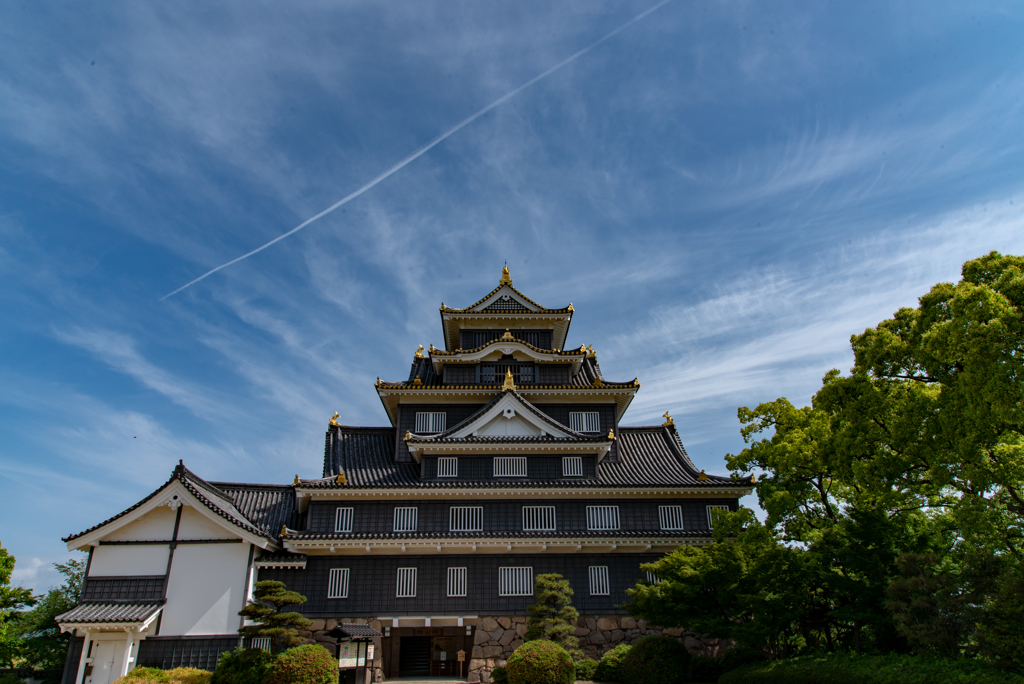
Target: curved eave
{"type": "Point", "coordinates": [332, 491]}
{"type": "Point", "coordinates": [439, 357]}
{"type": "Point", "coordinates": [467, 448]}
{"type": "Point", "coordinates": [609, 544]}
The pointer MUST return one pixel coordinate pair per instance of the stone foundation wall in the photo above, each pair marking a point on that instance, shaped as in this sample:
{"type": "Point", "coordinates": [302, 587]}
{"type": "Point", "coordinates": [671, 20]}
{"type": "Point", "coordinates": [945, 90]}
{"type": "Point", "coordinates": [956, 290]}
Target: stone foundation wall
{"type": "Point", "coordinates": [317, 634]}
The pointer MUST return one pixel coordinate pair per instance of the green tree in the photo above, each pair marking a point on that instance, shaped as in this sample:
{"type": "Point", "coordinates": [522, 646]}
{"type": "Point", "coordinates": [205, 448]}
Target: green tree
{"type": "Point", "coordinates": [553, 616]}
{"type": "Point", "coordinates": [267, 611]}
{"type": "Point", "coordinates": [12, 601]}
{"type": "Point", "coordinates": [43, 645]}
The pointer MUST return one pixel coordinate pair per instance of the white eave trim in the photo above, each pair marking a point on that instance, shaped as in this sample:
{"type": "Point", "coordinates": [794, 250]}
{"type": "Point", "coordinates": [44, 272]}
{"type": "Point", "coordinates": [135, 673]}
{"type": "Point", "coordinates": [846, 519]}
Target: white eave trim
{"type": "Point", "coordinates": [500, 347]}
{"type": "Point", "coordinates": [625, 492]}
{"type": "Point", "coordinates": [559, 545]}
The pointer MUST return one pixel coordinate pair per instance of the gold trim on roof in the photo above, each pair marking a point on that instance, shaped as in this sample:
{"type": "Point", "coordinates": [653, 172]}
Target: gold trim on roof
{"type": "Point", "coordinates": [506, 279]}
{"type": "Point", "coordinates": [703, 477]}
{"type": "Point", "coordinates": [419, 353]}
{"type": "Point", "coordinates": [668, 420]}
{"type": "Point", "coordinates": [509, 382]}
{"type": "Point", "coordinates": [334, 420]}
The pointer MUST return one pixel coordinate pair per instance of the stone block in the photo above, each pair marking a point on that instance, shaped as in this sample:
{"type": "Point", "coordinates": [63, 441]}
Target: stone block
{"type": "Point", "coordinates": [359, 621]}
{"type": "Point", "coordinates": [481, 636]}
{"type": "Point", "coordinates": [519, 618]}
{"type": "Point", "coordinates": [580, 632]}
{"type": "Point", "coordinates": [473, 678]}
{"type": "Point", "coordinates": [478, 651]}
{"type": "Point", "coordinates": [592, 623]}
{"type": "Point", "coordinates": [375, 624]}
{"type": "Point", "coordinates": [606, 624]}
{"type": "Point", "coordinates": [318, 625]}
{"type": "Point", "coordinates": [514, 645]}
{"type": "Point", "coordinates": [500, 662]}
{"type": "Point", "coordinates": [491, 651]}
{"type": "Point", "coordinates": [616, 636]}
{"type": "Point", "coordinates": [505, 623]}
{"type": "Point", "coordinates": [507, 637]}
{"type": "Point", "coordinates": [597, 638]}
{"type": "Point", "coordinates": [476, 664]}
{"type": "Point", "coordinates": [489, 624]}
{"type": "Point", "coordinates": [641, 623]}
{"type": "Point", "coordinates": [496, 635]}
{"type": "Point", "coordinates": [521, 629]}
{"type": "Point", "coordinates": [692, 644]}
{"type": "Point", "coordinates": [330, 624]}
{"type": "Point", "coordinates": [627, 623]}
{"type": "Point", "coordinates": [674, 632]}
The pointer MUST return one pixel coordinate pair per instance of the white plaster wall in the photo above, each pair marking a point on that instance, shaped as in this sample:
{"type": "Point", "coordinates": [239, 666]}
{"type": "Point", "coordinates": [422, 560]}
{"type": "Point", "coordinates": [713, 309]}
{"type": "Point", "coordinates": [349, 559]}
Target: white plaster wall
{"type": "Point", "coordinates": [195, 525]}
{"type": "Point", "coordinates": [143, 559]}
{"type": "Point", "coordinates": [157, 524]}
{"type": "Point", "coordinates": [206, 589]}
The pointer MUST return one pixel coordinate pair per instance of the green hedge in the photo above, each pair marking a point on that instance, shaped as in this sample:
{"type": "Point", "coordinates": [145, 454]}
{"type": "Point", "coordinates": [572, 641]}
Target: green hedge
{"type": "Point", "coordinates": [586, 669]}
{"type": "Point", "coordinates": [540, 662]}
{"type": "Point", "coordinates": [656, 660]}
{"type": "Point", "coordinates": [308, 664]}
{"type": "Point", "coordinates": [243, 666]}
{"type": "Point", "coordinates": [850, 669]}
{"type": "Point", "coordinates": [610, 667]}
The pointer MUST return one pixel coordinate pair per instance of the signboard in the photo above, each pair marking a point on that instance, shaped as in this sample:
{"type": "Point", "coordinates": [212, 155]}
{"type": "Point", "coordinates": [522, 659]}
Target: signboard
{"type": "Point", "coordinates": [369, 652]}
{"type": "Point", "coordinates": [429, 631]}
{"type": "Point", "coordinates": [462, 656]}
{"type": "Point", "coordinates": [444, 655]}
{"type": "Point", "coordinates": [347, 655]}
{"type": "Point", "coordinates": [362, 654]}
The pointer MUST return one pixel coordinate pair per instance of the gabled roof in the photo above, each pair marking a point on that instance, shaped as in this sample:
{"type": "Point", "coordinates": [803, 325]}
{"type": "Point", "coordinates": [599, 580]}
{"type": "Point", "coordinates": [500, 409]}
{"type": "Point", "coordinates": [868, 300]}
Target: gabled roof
{"type": "Point", "coordinates": [118, 614]}
{"type": "Point", "coordinates": [507, 397]}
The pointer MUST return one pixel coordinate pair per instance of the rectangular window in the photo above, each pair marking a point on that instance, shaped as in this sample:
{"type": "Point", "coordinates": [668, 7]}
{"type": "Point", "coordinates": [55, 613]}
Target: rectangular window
{"type": "Point", "coordinates": [430, 421]}
{"type": "Point", "coordinates": [337, 583]}
{"type": "Point", "coordinates": [651, 577]}
{"type": "Point", "coordinates": [515, 581]}
{"type": "Point", "coordinates": [509, 466]}
{"type": "Point", "coordinates": [406, 583]}
{"type": "Point", "coordinates": [717, 507]}
{"type": "Point", "coordinates": [588, 421]}
{"type": "Point", "coordinates": [671, 517]}
{"type": "Point", "coordinates": [456, 581]}
{"type": "Point", "coordinates": [466, 519]}
{"type": "Point", "coordinates": [599, 580]}
{"type": "Point", "coordinates": [602, 517]}
{"type": "Point", "coordinates": [572, 466]}
{"type": "Point", "coordinates": [538, 518]}
{"type": "Point", "coordinates": [343, 520]}
{"type": "Point", "coordinates": [260, 642]}
{"type": "Point", "coordinates": [405, 519]}
{"type": "Point", "coordinates": [447, 466]}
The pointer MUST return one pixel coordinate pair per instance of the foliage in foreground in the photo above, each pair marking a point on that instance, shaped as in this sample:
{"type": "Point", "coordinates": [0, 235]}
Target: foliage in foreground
{"type": "Point", "coordinates": [154, 675]}
{"type": "Point", "coordinates": [586, 669]}
{"type": "Point", "coordinates": [540, 662]}
{"type": "Point", "coordinates": [657, 660]}
{"type": "Point", "coordinates": [610, 667]}
{"type": "Point", "coordinates": [243, 666]}
{"type": "Point", "coordinates": [852, 669]}
{"type": "Point", "coordinates": [309, 664]}
{"type": "Point", "coordinates": [267, 610]}
{"type": "Point", "coordinates": [553, 617]}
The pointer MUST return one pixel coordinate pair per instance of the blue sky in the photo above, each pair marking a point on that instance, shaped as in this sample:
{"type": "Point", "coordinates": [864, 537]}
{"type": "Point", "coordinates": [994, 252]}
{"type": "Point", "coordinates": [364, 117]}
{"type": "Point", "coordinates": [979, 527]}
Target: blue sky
{"type": "Point", "coordinates": [726, 191]}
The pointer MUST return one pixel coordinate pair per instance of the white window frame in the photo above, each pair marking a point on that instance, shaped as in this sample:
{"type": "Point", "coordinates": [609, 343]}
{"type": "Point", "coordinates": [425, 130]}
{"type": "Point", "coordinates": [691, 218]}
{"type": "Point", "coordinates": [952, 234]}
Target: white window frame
{"type": "Point", "coordinates": [343, 517]}
{"type": "Point", "coordinates": [671, 517]}
{"type": "Point", "coordinates": [457, 582]}
{"type": "Point", "coordinates": [572, 466]}
{"type": "Point", "coordinates": [510, 466]}
{"type": "Point", "coordinates": [515, 581]}
{"type": "Point", "coordinates": [447, 466]}
{"type": "Point", "coordinates": [406, 518]}
{"type": "Point", "coordinates": [337, 583]}
{"type": "Point", "coordinates": [539, 519]}
{"type": "Point", "coordinates": [600, 518]}
{"type": "Point", "coordinates": [600, 585]}
{"type": "Point", "coordinates": [406, 583]}
{"type": "Point", "coordinates": [651, 577]}
{"type": "Point", "coordinates": [466, 519]}
{"type": "Point", "coordinates": [260, 642]}
{"type": "Point", "coordinates": [430, 422]}
{"type": "Point", "coordinates": [713, 507]}
{"type": "Point", "coordinates": [585, 421]}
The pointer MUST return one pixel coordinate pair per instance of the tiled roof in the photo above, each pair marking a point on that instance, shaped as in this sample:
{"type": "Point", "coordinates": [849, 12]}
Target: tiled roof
{"type": "Point", "coordinates": [281, 560]}
{"type": "Point", "coordinates": [267, 506]}
{"type": "Point", "coordinates": [359, 630]}
{"type": "Point", "coordinates": [91, 613]}
{"type": "Point", "coordinates": [500, 534]}
{"type": "Point", "coordinates": [498, 341]}
{"type": "Point", "coordinates": [541, 309]}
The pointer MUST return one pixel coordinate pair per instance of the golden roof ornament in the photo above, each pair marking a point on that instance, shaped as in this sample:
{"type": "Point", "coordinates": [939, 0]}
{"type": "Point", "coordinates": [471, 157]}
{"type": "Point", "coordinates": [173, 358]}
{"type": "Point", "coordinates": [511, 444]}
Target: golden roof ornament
{"type": "Point", "coordinates": [591, 354]}
{"type": "Point", "coordinates": [408, 436]}
{"type": "Point", "coordinates": [569, 308]}
{"type": "Point", "coordinates": [341, 479]}
{"type": "Point", "coordinates": [611, 434]}
{"type": "Point", "coordinates": [583, 347]}
{"type": "Point", "coordinates": [598, 382]}
{"type": "Point", "coordinates": [417, 382]}
{"type": "Point", "coordinates": [508, 337]}
{"type": "Point", "coordinates": [509, 382]}
{"type": "Point", "coordinates": [334, 420]}
{"type": "Point", "coordinates": [432, 348]}
{"type": "Point", "coordinates": [506, 279]}
{"type": "Point", "coordinates": [668, 420]}
{"type": "Point", "coordinates": [703, 477]}
{"type": "Point", "coordinates": [753, 479]}
{"type": "Point", "coordinates": [284, 531]}
{"type": "Point", "coordinates": [419, 353]}
{"type": "Point", "coordinates": [296, 480]}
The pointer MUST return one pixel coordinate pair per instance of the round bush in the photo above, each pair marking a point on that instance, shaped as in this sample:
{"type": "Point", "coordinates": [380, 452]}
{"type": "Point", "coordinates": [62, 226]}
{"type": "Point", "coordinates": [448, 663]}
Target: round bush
{"type": "Point", "coordinates": [498, 675]}
{"type": "Point", "coordinates": [154, 675]}
{"type": "Point", "coordinates": [586, 669]}
{"type": "Point", "coordinates": [610, 667]}
{"type": "Point", "coordinates": [540, 662]}
{"type": "Point", "coordinates": [243, 666]}
{"type": "Point", "coordinates": [308, 664]}
{"type": "Point", "coordinates": [657, 660]}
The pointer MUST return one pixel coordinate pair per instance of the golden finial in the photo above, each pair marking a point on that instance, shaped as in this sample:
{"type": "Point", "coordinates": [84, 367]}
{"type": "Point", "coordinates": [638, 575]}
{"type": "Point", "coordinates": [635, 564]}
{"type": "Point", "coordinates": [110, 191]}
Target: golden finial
{"type": "Point", "coordinates": [611, 434]}
{"type": "Point", "coordinates": [432, 348]}
{"type": "Point", "coordinates": [636, 382]}
{"type": "Point", "coordinates": [509, 382]}
{"type": "Point", "coordinates": [507, 337]}
{"type": "Point", "coordinates": [569, 308]}
{"type": "Point", "coordinates": [296, 480]}
{"type": "Point", "coordinates": [668, 420]}
{"type": "Point", "coordinates": [583, 347]}
{"type": "Point", "coordinates": [334, 420]}
{"type": "Point", "coordinates": [506, 279]}
{"type": "Point", "coordinates": [598, 382]}
{"type": "Point", "coordinates": [377, 384]}
{"type": "Point", "coordinates": [419, 353]}
{"type": "Point", "coordinates": [408, 436]}
{"type": "Point", "coordinates": [703, 476]}
{"type": "Point", "coordinates": [341, 479]}
{"type": "Point", "coordinates": [591, 354]}
{"type": "Point", "coordinates": [753, 479]}
{"type": "Point", "coordinates": [284, 531]}
{"type": "Point", "coordinates": [417, 382]}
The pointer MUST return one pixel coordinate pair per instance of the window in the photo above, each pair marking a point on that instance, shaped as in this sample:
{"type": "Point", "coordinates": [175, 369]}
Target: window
{"type": "Point", "coordinates": [447, 466]}
{"type": "Point", "coordinates": [718, 507]}
{"type": "Point", "coordinates": [406, 583]}
{"type": "Point", "coordinates": [509, 466]}
{"type": "Point", "coordinates": [584, 422]}
{"type": "Point", "coordinates": [671, 517]}
{"type": "Point", "coordinates": [602, 517]}
{"type": "Point", "coordinates": [456, 581]}
{"type": "Point", "coordinates": [572, 466]}
{"type": "Point", "coordinates": [651, 577]}
{"type": "Point", "coordinates": [343, 520]}
{"type": "Point", "coordinates": [260, 642]}
{"type": "Point", "coordinates": [405, 519]}
{"type": "Point", "coordinates": [599, 580]}
{"type": "Point", "coordinates": [515, 581]}
{"type": "Point", "coordinates": [337, 583]}
{"type": "Point", "coordinates": [467, 519]}
{"type": "Point", "coordinates": [430, 421]}
{"type": "Point", "coordinates": [538, 518]}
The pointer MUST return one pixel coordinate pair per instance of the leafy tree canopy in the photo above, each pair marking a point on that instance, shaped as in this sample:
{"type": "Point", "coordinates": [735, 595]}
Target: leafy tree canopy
{"type": "Point", "coordinates": [267, 612]}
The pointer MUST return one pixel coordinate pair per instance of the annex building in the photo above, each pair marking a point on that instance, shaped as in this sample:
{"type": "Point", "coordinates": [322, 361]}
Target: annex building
{"type": "Point", "coordinates": [505, 458]}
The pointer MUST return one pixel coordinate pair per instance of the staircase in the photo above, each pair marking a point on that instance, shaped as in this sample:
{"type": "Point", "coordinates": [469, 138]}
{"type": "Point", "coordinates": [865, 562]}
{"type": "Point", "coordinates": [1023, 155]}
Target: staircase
{"type": "Point", "coordinates": [414, 657]}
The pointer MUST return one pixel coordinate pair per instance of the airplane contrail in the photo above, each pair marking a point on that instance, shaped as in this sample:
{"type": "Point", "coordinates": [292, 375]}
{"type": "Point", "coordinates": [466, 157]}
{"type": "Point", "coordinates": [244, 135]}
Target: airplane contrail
{"type": "Point", "coordinates": [426, 148]}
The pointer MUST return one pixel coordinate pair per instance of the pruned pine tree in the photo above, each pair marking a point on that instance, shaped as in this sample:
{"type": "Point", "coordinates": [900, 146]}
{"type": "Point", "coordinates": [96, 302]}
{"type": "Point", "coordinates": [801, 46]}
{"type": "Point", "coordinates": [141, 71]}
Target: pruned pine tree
{"type": "Point", "coordinates": [271, 598]}
{"type": "Point", "coordinates": [553, 617]}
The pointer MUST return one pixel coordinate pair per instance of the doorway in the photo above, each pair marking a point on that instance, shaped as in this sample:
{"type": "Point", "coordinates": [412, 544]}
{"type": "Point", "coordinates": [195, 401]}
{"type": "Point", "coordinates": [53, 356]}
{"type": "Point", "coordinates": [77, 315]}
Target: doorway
{"type": "Point", "coordinates": [106, 661]}
{"type": "Point", "coordinates": [414, 656]}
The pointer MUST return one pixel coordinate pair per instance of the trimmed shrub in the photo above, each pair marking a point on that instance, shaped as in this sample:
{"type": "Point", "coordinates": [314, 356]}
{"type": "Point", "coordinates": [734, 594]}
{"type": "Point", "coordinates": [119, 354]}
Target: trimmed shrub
{"type": "Point", "coordinates": [243, 666]}
{"type": "Point", "coordinates": [538, 662]}
{"type": "Point", "coordinates": [586, 669]}
{"type": "Point", "coordinates": [498, 675]}
{"type": "Point", "coordinates": [11, 678]}
{"type": "Point", "coordinates": [610, 667]}
{"type": "Point", "coordinates": [154, 675]}
{"type": "Point", "coordinates": [657, 660]}
{"type": "Point", "coordinates": [852, 669]}
{"type": "Point", "coordinates": [704, 669]}
{"type": "Point", "coordinates": [308, 664]}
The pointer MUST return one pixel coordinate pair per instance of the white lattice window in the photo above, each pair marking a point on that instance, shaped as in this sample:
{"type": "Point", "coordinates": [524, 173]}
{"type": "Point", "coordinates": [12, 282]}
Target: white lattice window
{"type": "Point", "coordinates": [337, 583]}
{"type": "Point", "coordinates": [585, 421]}
{"type": "Point", "coordinates": [515, 581]}
{"type": "Point", "coordinates": [599, 585]}
{"type": "Point", "coordinates": [509, 466]}
{"type": "Point", "coordinates": [670, 517]}
{"type": "Point", "coordinates": [572, 466]}
{"type": "Point", "coordinates": [447, 466]}
{"type": "Point", "coordinates": [430, 421]}
{"type": "Point", "coordinates": [651, 577]}
{"type": "Point", "coordinates": [406, 583]}
{"type": "Point", "coordinates": [602, 517]}
{"type": "Point", "coordinates": [711, 509]}
{"type": "Point", "coordinates": [405, 519]}
{"type": "Point", "coordinates": [466, 519]}
{"type": "Point", "coordinates": [538, 518]}
{"type": "Point", "coordinates": [262, 643]}
{"type": "Point", "coordinates": [343, 520]}
{"type": "Point", "coordinates": [456, 581]}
